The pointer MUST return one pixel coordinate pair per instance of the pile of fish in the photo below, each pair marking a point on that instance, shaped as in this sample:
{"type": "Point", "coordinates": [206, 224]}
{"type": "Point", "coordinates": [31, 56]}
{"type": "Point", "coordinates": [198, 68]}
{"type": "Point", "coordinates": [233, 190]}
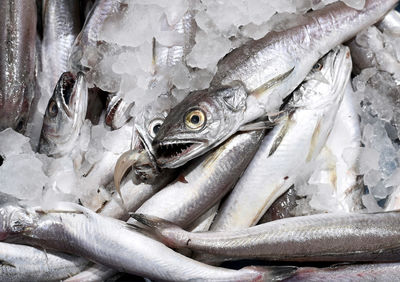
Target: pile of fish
{"type": "Point", "coordinates": [168, 139]}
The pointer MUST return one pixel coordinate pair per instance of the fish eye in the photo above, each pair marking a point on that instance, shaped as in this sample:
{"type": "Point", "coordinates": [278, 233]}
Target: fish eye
{"type": "Point", "coordinates": [195, 119]}
{"type": "Point", "coordinates": [154, 127]}
{"type": "Point", "coordinates": [52, 109]}
{"type": "Point", "coordinates": [317, 67]}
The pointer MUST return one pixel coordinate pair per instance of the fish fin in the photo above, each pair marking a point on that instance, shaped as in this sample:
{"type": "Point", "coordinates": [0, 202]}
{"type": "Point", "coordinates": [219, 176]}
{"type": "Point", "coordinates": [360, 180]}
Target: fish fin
{"type": "Point", "coordinates": [166, 231]}
{"type": "Point", "coordinates": [273, 273]}
{"type": "Point", "coordinates": [271, 83]}
{"type": "Point", "coordinates": [6, 263]}
{"type": "Point", "coordinates": [256, 126]}
{"type": "Point", "coordinates": [234, 96]}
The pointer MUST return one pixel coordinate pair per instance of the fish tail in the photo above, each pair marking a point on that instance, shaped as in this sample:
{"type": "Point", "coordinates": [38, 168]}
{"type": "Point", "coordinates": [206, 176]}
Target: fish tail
{"type": "Point", "coordinates": [167, 232]}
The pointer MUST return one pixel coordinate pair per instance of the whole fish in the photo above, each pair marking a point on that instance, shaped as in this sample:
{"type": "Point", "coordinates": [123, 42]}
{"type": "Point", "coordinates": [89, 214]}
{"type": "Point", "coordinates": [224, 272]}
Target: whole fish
{"type": "Point", "coordinates": [17, 62]}
{"type": "Point", "coordinates": [75, 229]}
{"type": "Point", "coordinates": [252, 80]}
{"type": "Point", "coordinates": [205, 181]}
{"type": "Point", "coordinates": [64, 116]}
{"type": "Point", "coordinates": [279, 160]}
{"type": "Point", "coordinates": [321, 237]}
{"type": "Point", "coordinates": [349, 273]}
{"type": "Point", "coordinates": [25, 263]}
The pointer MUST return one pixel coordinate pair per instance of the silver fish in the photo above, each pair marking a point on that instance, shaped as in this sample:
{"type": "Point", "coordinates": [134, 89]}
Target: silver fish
{"type": "Point", "coordinates": [25, 263]}
{"type": "Point", "coordinates": [204, 182]}
{"type": "Point", "coordinates": [321, 237]}
{"type": "Point", "coordinates": [75, 229]}
{"type": "Point", "coordinates": [17, 62]}
{"type": "Point", "coordinates": [61, 25]}
{"type": "Point", "coordinates": [64, 116]}
{"type": "Point", "coordinates": [279, 162]}
{"type": "Point", "coordinates": [252, 80]}
{"type": "Point", "coordinates": [390, 23]}
{"type": "Point", "coordinates": [350, 273]}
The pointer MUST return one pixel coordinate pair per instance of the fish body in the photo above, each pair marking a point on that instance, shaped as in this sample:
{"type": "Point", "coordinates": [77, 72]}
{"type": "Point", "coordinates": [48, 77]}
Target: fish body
{"type": "Point", "coordinates": [17, 62]}
{"type": "Point", "coordinates": [205, 182]}
{"type": "Point", "coordinates": [64, 115]}
{"type": "Point", "coordinates": [280, 160]}
{"type": "Point", "coordinates": [75, 229]}
{"type": "Point", "coordinates": [25, 263]}
{"type": "Point", "coordinates": [322, 237]}
{"type": "Point", "coordinates": [333, 170]}
{"type": "Point", "coordinates": [349, 273]}
{"type": "Point", "coordinates": [61, 25]}
{"type": "Point", "coordinates": [252, 80]}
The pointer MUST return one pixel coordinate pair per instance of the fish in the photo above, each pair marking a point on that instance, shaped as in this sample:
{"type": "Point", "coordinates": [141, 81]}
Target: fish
{"type": "Point", "coordinates": [74, 229]}
{"type": "Point", "coordinates": [350, 273]}
{"type": "Point", "coordinates": [88, 39]}
{"type": "Point", "coordinates": [17, 63]}
{"type": "Point", "coordinates": [61, 25]}
{"type": "Point", "coordinates": [252, 80]}
{"type": "Point", "coordinates": [338, 174]}
{"type": "Point", "coordinates": [280, 161]}
{"type": "Point", "coordinates": [26, 263]}
{"type": "Point", "coordinates": [205, 181]}
{"type": "Point", "coordinates": [65, 115]}
{"type": "Point", "coordinates": [338, 237]}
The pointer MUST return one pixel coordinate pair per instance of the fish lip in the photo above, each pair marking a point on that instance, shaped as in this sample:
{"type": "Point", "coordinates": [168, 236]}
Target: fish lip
{"type": "Point", "coordinates": [176, 159]}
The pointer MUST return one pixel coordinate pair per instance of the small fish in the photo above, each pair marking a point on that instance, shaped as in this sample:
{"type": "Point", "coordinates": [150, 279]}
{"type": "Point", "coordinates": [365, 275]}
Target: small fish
{"type": "Point", "coordinates": [252, 80]}
{"type": "Point", "coordinates": [321, 237]}
{"type": "Point", "coordinates": [64, 115]}
{"type": "Point", "coordinates": [25, 263]}
{"type": "Point", "coordinates": [17, 62]}
{"type": "Point", "coordinates": [280, 161]}
{"type": "Point", "coordinates": [350, 273]}
{"type": "Point", "coordinates": [207, 180]}
{"type": "Point", "coordinates": [124, 249]}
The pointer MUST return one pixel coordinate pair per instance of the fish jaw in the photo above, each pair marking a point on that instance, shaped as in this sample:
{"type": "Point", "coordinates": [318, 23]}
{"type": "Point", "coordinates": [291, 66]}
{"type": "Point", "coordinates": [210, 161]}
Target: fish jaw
{"type": "Point", "coordinates": [222, 112]}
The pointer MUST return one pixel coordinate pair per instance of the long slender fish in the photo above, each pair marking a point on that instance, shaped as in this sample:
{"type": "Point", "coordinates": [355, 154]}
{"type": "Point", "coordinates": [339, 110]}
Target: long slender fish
{"type": "Point", "coordinates": [349, 273]}
{"type": "Point", "coordinates": [64, 116]}
{"type": "Point", "coordinates": [75, 229]}
{"type": "Point", "coordinates": [25, 263]}
{"type": "Point", "coordinates": [322, 237]}
{"type": "Point", "coordinates": [280, 161]}
{"type": "Point", "coordinates": [253, 79]}
{"type": "Point", "coordinates": [205, 182]}
{"type": "Point", "coordinates": [17, 62]}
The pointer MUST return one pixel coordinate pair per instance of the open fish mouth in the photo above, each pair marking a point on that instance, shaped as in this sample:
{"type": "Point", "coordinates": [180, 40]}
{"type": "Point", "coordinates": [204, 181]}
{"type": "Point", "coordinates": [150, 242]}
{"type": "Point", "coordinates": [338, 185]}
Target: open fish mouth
{"type": "Point", "coordinates": [172, 153]}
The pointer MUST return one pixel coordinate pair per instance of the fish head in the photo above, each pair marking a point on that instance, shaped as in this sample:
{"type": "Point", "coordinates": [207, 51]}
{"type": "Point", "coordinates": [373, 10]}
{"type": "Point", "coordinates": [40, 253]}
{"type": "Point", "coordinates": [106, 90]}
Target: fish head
{"type": "Point", "coordinates": [65, 114]}
{"type": "Point", "coordinates": [118, 112]}
{"type": "Point", "coordinates": [14, 219]}
{"type": "Point", "coordinates": [203, 120]}
{"type": "Point", "coordinates": [328, 77]}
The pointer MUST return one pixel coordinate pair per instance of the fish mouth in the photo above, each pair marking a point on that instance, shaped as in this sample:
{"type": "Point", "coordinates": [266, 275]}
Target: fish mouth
{"type": "Point", "coordinates": [174, 153]}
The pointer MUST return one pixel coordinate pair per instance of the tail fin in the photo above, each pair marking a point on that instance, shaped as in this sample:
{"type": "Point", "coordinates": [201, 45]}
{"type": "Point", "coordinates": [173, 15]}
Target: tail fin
{"type": "Point", "coordinates": [167, 232]}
